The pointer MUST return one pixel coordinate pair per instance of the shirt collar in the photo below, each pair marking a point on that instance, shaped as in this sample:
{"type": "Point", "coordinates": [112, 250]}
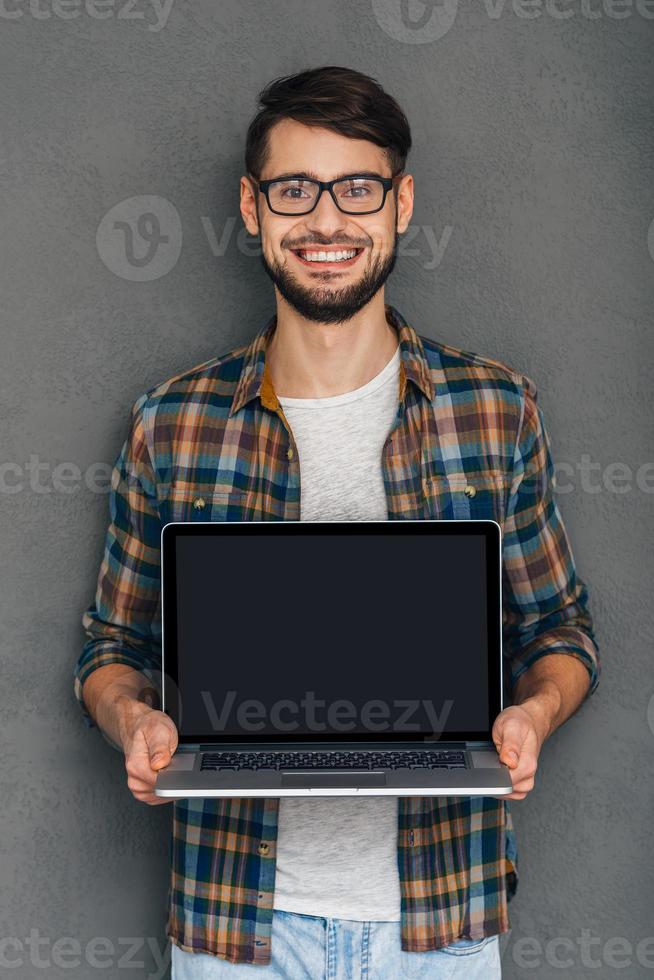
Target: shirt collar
{"type": "Point", "coordinates": [255, 380]}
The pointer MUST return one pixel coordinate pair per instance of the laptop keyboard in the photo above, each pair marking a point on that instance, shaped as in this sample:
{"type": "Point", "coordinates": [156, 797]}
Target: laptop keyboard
{"type": "Point", "coordinates": [359, 760]}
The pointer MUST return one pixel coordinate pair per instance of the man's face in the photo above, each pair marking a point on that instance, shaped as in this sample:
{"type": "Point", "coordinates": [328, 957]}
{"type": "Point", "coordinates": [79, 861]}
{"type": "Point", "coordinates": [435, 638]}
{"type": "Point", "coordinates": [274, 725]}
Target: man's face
{"type": "Point", "coordinates": [329, 291]}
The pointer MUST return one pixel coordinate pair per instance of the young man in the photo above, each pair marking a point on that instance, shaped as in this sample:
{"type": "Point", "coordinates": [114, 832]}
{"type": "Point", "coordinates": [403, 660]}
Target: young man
{"type": "Point", "coordinates": [338, 410]}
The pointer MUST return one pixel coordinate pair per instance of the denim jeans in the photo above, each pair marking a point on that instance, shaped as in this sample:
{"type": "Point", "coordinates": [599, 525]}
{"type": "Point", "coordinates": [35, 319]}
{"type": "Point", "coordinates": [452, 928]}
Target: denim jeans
{"type": "Point", "coordinates": [310, 947]}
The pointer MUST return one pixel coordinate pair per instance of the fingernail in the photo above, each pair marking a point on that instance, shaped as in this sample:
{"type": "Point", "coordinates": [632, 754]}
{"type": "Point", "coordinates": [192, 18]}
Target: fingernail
{"type": "Point", "coordinates": [513, 756]}
{"type": "Point", "coordinates": [157, 757]}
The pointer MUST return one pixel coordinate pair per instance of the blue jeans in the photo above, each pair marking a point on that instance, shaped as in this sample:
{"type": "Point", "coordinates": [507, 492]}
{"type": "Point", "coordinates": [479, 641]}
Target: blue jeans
{"type": "Point", "coordinates": [309, 947]}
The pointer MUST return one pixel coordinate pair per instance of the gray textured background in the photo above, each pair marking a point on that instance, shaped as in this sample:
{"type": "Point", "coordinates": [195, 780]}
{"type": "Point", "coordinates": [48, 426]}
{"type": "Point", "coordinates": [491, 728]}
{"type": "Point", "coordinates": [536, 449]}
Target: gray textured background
{"type": "Point", "coordinates": [533, 147]}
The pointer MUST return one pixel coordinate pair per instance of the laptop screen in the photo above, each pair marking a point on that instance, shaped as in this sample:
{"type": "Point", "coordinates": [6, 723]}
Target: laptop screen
{"type": "Point", "coordinates": [332, 633]}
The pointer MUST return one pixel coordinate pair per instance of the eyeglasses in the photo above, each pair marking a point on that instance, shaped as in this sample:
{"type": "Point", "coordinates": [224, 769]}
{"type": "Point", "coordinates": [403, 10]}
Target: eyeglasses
{"type": "Point", "coordinates": [354, 194]}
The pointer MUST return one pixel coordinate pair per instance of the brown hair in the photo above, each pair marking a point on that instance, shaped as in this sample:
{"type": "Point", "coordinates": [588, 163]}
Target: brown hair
{"type": "Point", "coordinates": [340, 99]}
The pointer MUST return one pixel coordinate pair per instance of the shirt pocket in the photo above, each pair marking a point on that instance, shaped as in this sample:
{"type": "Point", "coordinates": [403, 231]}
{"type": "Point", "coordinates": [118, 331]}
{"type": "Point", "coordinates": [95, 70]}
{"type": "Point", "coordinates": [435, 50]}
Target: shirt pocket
{"type": "Point", "coordinates": [472, 498]}
{"type": "Point", "coordinates": [199, 503]}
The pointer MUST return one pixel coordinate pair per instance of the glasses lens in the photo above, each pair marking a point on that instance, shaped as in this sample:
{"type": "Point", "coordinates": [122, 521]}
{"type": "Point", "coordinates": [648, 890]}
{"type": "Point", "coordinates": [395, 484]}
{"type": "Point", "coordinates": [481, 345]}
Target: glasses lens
{"type": "Point", "coordinates": [357, 194]}
{"type": "Point", "coordinates": [292, 196]}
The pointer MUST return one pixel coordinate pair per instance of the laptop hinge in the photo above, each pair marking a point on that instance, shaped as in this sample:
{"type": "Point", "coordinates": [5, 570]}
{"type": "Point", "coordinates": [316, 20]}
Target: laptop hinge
{"type": "Point", "coordinates": [324, 746]}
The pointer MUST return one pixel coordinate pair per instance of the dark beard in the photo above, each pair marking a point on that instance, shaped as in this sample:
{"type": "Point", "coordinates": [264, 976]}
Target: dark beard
{"type": "Point", "coordinates": [332, 305]}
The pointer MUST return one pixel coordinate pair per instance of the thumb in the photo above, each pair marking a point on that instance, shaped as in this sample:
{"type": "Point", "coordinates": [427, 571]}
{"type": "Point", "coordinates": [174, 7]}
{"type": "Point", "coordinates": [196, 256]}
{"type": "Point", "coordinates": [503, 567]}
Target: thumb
{"type": "Point", "coordinates": [160, 749]}
{"type": "Point", "coordinates": [510, 745]}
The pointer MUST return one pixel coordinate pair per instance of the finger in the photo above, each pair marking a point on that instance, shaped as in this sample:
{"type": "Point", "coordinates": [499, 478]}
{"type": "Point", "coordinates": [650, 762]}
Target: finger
{"type": "Point", "coordinates": [138, 746]}
{"type": "Point", "coordinates": [526, 767]}
{"type": "Point", "coordinates": [153, 800]}
{"type": "Point", "coordinates": [523, 786]}
{"type": "Point", "coordinates": [525, 771]}
{"type": "Point", "coordinates": [162, 742]}
{"type": "Point", "coordinates": [522, 781]}
{"type": "Point", "coordinates": [513, 795]}
{"type": "Point", "coordinates": [520, 788]}
{"type": "Point", "coordinates": [137, 785]}
{"type": "Point", "coordinates": [143, 790]}
{"type": "Point", "coordinates": [137, 759]}
{"type": "Point", "coordinates": [512, 735]}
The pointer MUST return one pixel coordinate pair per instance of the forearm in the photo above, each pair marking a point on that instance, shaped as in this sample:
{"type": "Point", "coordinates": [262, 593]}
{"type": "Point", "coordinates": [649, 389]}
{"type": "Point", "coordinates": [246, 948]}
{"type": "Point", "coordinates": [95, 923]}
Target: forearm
{"type": "Point", "coordinates": [111, 693]}
{"type": "Point", "coordinates": [551, 690]}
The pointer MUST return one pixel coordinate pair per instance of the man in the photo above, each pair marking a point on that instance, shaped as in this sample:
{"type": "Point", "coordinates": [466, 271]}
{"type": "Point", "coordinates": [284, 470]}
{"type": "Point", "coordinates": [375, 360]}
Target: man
{"type": "Point", "coordinates": [338, 410]}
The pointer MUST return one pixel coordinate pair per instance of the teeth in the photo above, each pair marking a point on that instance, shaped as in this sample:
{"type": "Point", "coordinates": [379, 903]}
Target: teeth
{"type": "Point", "coordinates": [329, 256]}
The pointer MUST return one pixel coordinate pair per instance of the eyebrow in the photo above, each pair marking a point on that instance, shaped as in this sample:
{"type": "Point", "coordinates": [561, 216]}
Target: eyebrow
{"type": "Point", "coordinates": [310, 175]}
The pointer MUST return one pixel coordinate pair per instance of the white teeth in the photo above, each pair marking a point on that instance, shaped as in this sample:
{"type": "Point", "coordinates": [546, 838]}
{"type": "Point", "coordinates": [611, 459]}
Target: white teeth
{"type": "Point", "coordinates": [329, 256]}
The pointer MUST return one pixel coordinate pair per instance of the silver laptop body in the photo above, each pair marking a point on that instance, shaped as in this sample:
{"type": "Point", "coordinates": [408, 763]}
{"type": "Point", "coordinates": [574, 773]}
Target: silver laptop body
{"type": "Point", "coordinates": [321, 658]}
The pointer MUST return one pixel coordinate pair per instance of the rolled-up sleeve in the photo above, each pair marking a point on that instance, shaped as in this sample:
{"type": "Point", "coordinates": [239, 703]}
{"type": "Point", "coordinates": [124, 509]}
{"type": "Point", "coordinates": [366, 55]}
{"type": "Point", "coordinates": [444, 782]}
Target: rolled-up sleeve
{"type": "Point", "coordinates": [545, 602]}
{"type": "Point", "coordinates": [122, 624]}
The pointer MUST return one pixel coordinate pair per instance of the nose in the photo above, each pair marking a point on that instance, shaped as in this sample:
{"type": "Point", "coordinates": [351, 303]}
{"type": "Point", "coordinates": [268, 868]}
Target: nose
{"type": "Point", "coordinates": [326, 218]}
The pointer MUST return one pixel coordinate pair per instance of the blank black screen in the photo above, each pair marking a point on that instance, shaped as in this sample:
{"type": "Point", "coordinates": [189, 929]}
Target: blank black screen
{"type": "Point", "coordinates": [331, 634]}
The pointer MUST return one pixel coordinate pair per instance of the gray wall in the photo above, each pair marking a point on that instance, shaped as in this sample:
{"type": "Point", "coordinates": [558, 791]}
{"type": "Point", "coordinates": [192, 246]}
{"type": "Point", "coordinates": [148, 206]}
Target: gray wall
{"type": "Point", "coordinates": [532, 165]}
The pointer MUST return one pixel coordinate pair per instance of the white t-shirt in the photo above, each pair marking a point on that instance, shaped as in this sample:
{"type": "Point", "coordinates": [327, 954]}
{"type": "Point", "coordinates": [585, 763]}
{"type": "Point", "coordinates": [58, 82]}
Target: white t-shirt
{"type": "Point", "coordinates": [337, 856]}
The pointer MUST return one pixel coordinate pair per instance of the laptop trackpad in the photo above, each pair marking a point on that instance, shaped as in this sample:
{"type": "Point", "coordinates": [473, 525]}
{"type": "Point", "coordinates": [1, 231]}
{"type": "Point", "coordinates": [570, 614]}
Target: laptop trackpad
{"type": "Point", "coordinates": [314, 780]}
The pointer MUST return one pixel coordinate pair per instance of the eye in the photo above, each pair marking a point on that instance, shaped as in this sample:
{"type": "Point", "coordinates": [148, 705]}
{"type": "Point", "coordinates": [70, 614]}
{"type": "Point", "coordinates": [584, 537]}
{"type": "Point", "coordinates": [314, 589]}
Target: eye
{"type": "Point", "coordinates": [357, 189]}
{"type": "Point", "coordinates": [293, 190]}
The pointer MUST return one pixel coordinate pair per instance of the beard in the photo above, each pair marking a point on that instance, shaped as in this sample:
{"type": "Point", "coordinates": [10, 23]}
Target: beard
{"type": "Point", "coordinates": [326, 304]}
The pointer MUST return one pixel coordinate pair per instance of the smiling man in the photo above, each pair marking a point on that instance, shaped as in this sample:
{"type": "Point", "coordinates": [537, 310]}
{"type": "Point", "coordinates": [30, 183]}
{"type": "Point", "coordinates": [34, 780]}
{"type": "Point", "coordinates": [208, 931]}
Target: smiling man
{"type": "Point", "coordinates": [333, 412]}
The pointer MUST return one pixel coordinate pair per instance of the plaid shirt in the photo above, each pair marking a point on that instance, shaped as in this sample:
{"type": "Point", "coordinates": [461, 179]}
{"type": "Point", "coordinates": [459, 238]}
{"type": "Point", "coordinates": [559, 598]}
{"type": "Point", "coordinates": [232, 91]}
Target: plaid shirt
{"type": "Point", "coordinates": [213, 443]}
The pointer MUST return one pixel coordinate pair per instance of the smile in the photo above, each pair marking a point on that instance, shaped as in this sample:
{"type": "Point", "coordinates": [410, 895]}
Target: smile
{"type": "Point", "coordinates": [344, 257]}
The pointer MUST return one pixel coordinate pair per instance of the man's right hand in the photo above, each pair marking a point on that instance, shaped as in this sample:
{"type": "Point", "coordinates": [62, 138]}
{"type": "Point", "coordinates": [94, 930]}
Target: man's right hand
{"type": "Point", "coordinates": [149, 738]}
{"type": "Point", "coordinates": [116, 697]}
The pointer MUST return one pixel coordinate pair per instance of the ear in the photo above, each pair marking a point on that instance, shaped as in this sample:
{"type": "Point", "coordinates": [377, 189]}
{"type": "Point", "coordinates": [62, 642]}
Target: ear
{"type": "Point", "coordinates": [248, 204]}
{"type": "Point", "coordinates": [404, 202]}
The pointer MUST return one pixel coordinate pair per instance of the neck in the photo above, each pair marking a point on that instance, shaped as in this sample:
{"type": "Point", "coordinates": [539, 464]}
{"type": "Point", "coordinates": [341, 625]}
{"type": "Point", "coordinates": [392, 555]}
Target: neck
{"type": "Point", "coordinates": [306, 359]}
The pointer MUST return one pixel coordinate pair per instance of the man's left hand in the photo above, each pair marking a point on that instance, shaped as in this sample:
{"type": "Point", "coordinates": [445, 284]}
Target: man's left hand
{"type": "Point", "coordinates": [518, 733]}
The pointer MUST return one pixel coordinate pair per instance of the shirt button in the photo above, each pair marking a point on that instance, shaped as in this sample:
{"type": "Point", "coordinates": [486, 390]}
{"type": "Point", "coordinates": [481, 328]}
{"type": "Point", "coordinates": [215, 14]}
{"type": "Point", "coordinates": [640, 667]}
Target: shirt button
{"type": "Point", "coordinates": [470, 491]}
{"type": "Point", "coordinates": [289, 453]}
{"type": "Point", "coordinates": [263, 847]}
{"type": "Point", "coordinates": [199, 503]}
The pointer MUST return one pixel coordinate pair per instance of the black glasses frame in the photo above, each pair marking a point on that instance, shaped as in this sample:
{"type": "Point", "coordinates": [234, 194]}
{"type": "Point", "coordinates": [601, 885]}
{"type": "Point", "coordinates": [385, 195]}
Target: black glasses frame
{"type": "Point", "coordinates": [325, 185]}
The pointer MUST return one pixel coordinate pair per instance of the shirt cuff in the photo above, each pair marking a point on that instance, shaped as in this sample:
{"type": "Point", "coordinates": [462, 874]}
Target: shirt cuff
{"type": "Point", "coordinates": [567, 640]}
{"type": "Point", "coordinates": [99, 657]}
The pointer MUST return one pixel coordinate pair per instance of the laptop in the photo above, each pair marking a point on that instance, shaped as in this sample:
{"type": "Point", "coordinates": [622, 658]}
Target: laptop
{"type": "Point", "coordinates": [332, 658]}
